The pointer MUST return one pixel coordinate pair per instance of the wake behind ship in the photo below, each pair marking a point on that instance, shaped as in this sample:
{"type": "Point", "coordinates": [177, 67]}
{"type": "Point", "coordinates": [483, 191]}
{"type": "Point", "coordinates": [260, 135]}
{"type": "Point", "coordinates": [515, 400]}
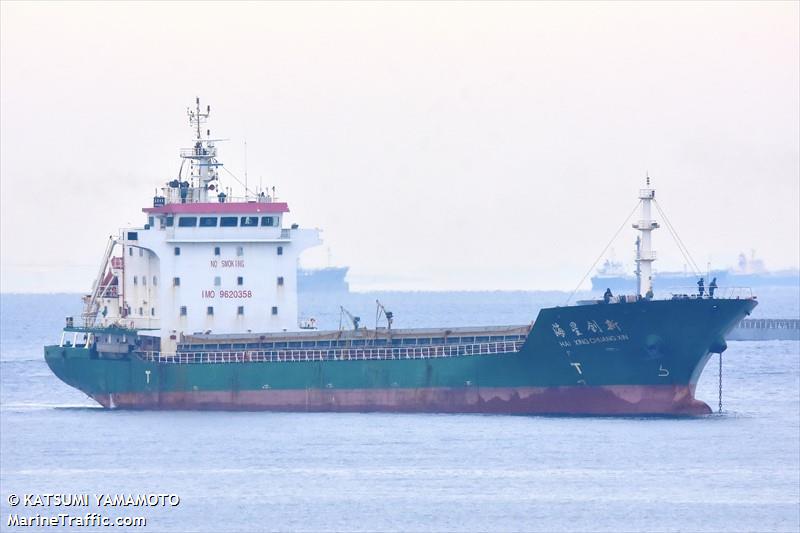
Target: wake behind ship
{"type": "Point", "coordinates": [197, 309]}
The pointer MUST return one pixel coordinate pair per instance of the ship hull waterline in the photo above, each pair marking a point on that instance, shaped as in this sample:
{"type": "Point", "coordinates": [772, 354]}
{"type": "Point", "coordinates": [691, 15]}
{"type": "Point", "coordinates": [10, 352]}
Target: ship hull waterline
{"type": "Point", "coordinates": [620, 400]}
{"type": "Point", "coordinates": [649, 366]}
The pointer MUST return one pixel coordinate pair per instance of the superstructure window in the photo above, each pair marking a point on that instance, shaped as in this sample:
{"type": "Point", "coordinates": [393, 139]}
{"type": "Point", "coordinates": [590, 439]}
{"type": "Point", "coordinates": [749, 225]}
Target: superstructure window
{"type": "Point", "coordinates": [280, 281]}
{"type": "Point", "coordinates": [240, 310]}
{"type": "Point", "coordinates": [240, 280]}
{"type": "Point", "coordinates": [135, 280]}
{"type": "Point", "coordinates": [208, 222]}
{"type": "Point", "coordinates": [177, 250]}
{"type": "Point", "coordinates": [274, 310]}
{"type": "Point", "coordinates": [280, 250]}
{"type": "Point", "coordinates": [240, 251]}
{"type": "Point", "coordinates": [267, 221]}
{"type": "Point", "coordinates": [152, 311]}
{"type": "Point", "coordinates": [183, 310]}
{"type": "Point", "coordinates": [216, 250]}
{"type": "Point", "coordinates": [144, 280]}
{"type": "Point", "coordinates": [155, 281]}
{"type": "Point", "coordinates": [210, 310]}
{"type": "Point", "coordinates": [176, 282]}
{"type": "Point", "coordinates": [248, 222]}
{"type": "Point", "coordinates": [187, 222]}
{"type": "Point", "coordinates": [217, 281]}
{"type": "Point", "coordinates": [130, 252]}
{"type": "Point", "coordinates": [141, 252]}
{"type": "Point", "coordinates": [228, 222]}
{"type": "Point", "coordinates": [170, 221]}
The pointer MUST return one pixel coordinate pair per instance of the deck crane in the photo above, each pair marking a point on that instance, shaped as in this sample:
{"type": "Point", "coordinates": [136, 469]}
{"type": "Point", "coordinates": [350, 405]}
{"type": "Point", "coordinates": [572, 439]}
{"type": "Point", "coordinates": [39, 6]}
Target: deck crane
{"type": "Point", "coordinates": [353, 319]}
{"type": "Point", "coordinates": [382, 310]}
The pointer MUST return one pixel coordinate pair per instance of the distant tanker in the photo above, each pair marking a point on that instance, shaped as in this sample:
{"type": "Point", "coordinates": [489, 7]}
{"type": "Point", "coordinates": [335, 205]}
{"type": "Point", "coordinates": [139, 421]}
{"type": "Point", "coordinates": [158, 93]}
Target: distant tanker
{"type": "Point", "coordinates": [748, 273]}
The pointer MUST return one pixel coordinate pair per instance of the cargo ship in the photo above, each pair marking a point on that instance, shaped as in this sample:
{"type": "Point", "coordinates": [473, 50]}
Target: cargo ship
{"type": "Point", "coordinates": [328, 279]}
{"type": "Point", "coordinates": [749, 272]}
{"type": "Point", "coordinates": [197, 309]}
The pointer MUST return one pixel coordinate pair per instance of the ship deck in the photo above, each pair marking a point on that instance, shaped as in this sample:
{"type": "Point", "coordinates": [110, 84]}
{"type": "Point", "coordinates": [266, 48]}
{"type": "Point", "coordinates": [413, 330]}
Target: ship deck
{"type": "Point", "coordinates": [360, 337]}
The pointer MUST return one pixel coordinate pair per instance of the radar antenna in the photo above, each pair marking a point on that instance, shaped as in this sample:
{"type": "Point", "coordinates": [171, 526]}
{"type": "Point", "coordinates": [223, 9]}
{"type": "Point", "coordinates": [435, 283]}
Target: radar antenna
{"type": "Point", "coordinates": [197, 118]}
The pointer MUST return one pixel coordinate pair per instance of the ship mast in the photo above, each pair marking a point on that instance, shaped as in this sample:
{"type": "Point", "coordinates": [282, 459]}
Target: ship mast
{"type": "Point", "coordinates": [203, 155]}
{"type": "Point", "coordinates": [644, 253]}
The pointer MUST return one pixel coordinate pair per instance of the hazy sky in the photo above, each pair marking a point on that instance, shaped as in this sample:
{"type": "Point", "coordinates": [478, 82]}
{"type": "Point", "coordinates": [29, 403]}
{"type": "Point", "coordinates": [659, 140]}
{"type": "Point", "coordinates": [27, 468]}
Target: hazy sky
{"type": "Point", "coordinates": [439, 146]}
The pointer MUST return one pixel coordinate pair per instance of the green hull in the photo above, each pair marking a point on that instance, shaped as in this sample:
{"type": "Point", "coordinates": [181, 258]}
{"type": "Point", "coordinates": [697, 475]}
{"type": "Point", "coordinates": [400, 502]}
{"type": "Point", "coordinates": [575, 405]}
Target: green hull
{"type": "Point", "coordinates": [636, 358]}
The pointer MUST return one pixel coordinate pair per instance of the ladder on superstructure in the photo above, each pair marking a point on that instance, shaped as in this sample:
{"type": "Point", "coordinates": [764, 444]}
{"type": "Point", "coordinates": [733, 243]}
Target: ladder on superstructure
{"type": "Point", "coordinates": [91, 307]}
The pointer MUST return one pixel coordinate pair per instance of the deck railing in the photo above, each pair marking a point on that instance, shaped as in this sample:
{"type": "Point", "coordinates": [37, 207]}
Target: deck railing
{"type": "Point", "coordinates": [333, 354]}
{"type": "Point", "coordinates": [722, 293]}
{"type": "Point", "coordinates": [770, 323]}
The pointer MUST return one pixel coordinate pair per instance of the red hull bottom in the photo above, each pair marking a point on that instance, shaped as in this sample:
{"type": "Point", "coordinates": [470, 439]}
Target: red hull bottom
{"type": "Point", "coordinates": [608, 400]}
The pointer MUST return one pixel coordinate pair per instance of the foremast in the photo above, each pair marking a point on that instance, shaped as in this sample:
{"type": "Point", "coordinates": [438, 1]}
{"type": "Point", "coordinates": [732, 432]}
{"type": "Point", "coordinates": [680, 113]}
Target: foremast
{"type": "Point", "coordinates": [645, 255]}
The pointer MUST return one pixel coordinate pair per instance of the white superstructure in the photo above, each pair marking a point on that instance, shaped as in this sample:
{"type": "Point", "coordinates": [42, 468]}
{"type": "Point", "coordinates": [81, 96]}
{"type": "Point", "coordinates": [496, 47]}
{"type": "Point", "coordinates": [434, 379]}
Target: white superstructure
{"type": "Point", "coordinates": [204, 262]}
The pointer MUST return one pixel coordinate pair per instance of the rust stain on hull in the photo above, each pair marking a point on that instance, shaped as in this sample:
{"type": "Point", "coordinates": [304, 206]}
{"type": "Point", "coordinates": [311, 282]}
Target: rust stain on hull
{"type": "Point", "coordinates": [602, 400]}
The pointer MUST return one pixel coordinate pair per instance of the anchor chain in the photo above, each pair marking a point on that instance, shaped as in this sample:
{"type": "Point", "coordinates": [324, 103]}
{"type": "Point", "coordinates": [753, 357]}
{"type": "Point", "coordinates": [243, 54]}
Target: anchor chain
{"type": "Point", "coordinates": [720, 383]}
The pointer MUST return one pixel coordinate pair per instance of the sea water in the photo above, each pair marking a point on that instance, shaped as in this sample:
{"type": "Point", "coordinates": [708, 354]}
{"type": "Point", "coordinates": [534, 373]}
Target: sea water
{"type": "Point", "coordinates": [739, 471]}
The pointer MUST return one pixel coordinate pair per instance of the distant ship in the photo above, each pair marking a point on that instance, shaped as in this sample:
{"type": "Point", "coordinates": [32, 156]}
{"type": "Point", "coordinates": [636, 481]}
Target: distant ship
{"type": "Point", "coordinates": [750, 272]}
{"type": "Point", "coordinates": [197, 308]}
{"type": "Point", "coordinates": [329, 279]}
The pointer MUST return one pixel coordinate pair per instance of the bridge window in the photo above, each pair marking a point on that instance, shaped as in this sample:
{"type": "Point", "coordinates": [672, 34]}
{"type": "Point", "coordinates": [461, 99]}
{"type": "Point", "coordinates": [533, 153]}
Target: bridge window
{"type": "Point", "coordinates": [217, 281]}
{"type": "Point", "coordinates": [280, 250]}
{"type": "Point", "coordinates": [240, 310]}
{"type": "Point", "coordinates": [240, 280]}
{"type": "Point", "coordinates": [274, 310]}
{"type": "Point", "coordinates": [280, 281]}
{"type": "Point", "coordinates": [183, 310]}
{"type": "Point", "coordinates": [187, 222]}
{"type": "Point", "coordinates": [216, 250]}
{"type": "Point", "coordinates": [210, 310]}
{"type": "Point", "coordinates": [267, 221]}
{"type": "Point", "coordinates": [228, 222]}
{"type": "Point", "coordinates": [208, 222]}
{"type": "Point", "coordinates": [249, 222]}
{"type": "Point", "coordinates": [177, 250]}
{"type": "Point", "coordinates": [176, 282]}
